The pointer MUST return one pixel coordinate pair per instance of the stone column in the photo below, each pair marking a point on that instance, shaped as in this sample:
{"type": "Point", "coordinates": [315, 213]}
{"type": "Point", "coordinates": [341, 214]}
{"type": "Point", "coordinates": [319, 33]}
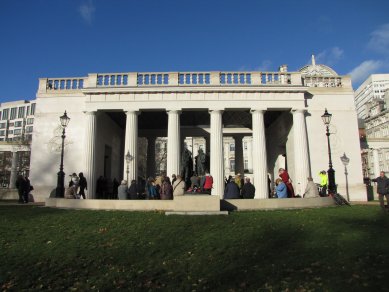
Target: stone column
{"type": "Point", "coordinates": [249, 152]}
{"type": "Point", "coordinates": [173, 143]}
{"type": "Point", "coordinates": [239, 162]}
{"type": "Point", "coordinates": [151, 156]}
{"type": "Point", "coordinates": [207, 144]}
{"type": "Point", "coordinates": [259, 155]}
{"type": "Point", "coordinates": [131, 146]}
{"type": "Point", "coordinates": [90, 154]}
{"type": "Point", "coordinates": [217, 157]}
{"type": "Point", "coordinates": [301, 155]}
{"type": "Point", "coordinates": [12, 179]}
{"type": "Point", "coordinates": [376, 162]}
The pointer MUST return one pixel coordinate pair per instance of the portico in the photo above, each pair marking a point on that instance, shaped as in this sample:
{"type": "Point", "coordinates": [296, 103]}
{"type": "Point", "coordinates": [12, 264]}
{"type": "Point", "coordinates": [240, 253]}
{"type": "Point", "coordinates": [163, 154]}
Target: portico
{"type": "Point", "coordinates": [111, 113]}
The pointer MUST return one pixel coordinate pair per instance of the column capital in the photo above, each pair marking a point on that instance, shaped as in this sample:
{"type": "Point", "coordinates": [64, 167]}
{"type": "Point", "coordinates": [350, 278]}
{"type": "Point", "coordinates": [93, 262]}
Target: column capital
{"type": "Point", "coordinates": [173, 111]}
{"type": "Point", "coordinates": [90, 112]}
{"type": "Point", "coordinates": [127, 112]}
{"type": "Point", "coordinates": [238, 135]}
{"type": "Point", "coordinates": [216, 110]}
{"type": "Point", "coordinates": [298, 110]}
{"type": "Point", "coordinates": [258, 110]}
{"type": "Point", "coordinates": [15, 149]}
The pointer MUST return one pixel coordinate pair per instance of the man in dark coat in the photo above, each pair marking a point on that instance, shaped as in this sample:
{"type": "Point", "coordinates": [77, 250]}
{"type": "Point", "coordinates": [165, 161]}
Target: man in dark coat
{"type": "Point", "coordinates": [20, 185]}
{"type": "Point", "coordinates": [382, 188]}
{"type": "Point", "coordinates": [232, 190]}
{"type": "Point", "coordinates": [26, 189]}
{"type": "Point", "coordinates": [248, 189]}
{"type": "Point", "coordinates": [133, 191]}
{"type": "Point", "coordinates": [83, 185]}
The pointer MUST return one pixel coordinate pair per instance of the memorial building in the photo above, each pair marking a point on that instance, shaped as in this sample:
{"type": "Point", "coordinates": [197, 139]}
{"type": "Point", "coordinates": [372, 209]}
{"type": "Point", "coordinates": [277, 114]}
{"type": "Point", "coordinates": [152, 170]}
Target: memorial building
{"type": "Point", "coordinates": [272, 117]}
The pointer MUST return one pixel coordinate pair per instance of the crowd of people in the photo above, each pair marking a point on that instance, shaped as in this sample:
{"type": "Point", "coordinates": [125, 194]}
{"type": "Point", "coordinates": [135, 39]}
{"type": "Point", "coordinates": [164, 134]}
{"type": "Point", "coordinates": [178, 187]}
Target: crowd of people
{"type": "Point", "coordinates": [77, 187]}
{"type": "Point", "coordinates": [284, 187]}
{"type": "Point", "coordinates": [164, 188]}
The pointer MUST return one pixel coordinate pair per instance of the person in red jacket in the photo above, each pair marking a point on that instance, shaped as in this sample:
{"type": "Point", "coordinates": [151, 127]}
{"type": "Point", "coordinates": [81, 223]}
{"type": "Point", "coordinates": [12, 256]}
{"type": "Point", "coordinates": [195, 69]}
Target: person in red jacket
{"type": "Point", "coordinates": [207, 187]}
{"type": "Point", "coordinates": [287, 181]}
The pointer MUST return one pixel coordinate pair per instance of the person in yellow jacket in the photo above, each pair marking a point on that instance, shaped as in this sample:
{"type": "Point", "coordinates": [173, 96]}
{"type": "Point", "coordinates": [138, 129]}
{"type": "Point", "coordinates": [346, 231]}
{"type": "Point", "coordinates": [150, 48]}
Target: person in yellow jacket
{"type": "Point", "coordinates": [323, 183]}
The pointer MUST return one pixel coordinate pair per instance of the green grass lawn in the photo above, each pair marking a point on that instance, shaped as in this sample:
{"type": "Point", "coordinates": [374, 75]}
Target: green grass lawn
{"type": "Point", "coordinates": [330, 249]}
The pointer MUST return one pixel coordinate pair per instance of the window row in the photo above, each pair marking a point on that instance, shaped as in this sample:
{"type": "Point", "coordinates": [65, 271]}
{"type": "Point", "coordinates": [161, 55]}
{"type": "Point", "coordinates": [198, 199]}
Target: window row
{"type": "Point", "coordinates": [17, 113]}
{"type": "Point", "coordinates": [15, 132]}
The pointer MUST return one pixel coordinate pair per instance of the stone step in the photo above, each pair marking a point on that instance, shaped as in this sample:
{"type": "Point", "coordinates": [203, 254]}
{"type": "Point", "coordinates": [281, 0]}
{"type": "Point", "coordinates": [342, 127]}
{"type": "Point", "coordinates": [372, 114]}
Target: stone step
{"type": "Point", "coordinates": [196, 213]}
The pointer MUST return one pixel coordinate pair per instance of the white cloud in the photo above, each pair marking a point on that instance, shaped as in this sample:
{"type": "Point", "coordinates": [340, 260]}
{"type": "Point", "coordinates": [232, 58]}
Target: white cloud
{"type": "Point", "coordinates": [265, 66]}
{"type": "Point", "coordinates": [363, 70]}
{"type": "Point", "coordinates": [329, 57]}
{"type": "Point", "coordinates": [379, 40]}
{"type": "Point", "coordinates": [87, 10]}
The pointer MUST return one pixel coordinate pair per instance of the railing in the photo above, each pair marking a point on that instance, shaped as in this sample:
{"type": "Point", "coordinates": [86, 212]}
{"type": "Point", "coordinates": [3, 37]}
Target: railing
{"type": "Point", "coordinates": [275, 78]}
{"type": "Point", "coordinates": [155, 79]}
{"type": "Point", "coordinates": [192, 79]}
{"type": "Point", "coordinates": [322, 81]}
{"type": "Point", "coordinates": [106, 80]}
{"type": "Point", "coordinates": [198, 78]}
{"type": "Point", "coordinates": [152, 79]}
{"type": "Point", "coordinates": [65, 83]}
{"type": "Point", "coordinates": [235, 78]}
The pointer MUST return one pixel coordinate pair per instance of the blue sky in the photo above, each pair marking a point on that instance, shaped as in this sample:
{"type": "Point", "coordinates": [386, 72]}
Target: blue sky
{"type": "Point", "coordinates": [69, 38]}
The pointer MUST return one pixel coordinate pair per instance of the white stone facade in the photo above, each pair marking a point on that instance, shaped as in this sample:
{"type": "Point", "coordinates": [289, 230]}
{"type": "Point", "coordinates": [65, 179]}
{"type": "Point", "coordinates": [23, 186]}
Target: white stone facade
{"type": "Point", "coordinates": [372, 88]}
{"type": "Point", "coordinates": [377, 135]}
{"type": "Point", "coordinates": [278, 112]}
{"type": "Point", "coordinates": [16, 127]}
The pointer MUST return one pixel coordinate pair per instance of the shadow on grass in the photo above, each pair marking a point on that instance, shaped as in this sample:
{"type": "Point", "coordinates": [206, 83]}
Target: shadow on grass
{"type": "Point", "coordinates": [321, 249]}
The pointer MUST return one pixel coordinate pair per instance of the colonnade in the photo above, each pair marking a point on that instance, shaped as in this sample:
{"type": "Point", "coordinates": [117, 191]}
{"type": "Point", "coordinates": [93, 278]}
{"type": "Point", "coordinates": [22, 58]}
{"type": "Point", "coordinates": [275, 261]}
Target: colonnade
{"type": "Point", "coordinates": [259, 155]}
{"type": "Point", "coordinates": [12, 179]}
{"type": "Point", "coordinates": [14, 165]}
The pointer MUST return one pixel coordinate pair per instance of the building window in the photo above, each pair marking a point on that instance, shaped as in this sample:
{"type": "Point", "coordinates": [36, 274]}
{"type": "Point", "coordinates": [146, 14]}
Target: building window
{"type": "Point", "coordinates": [245, 146]}
{"type": "Point", "coordinates": [232, 165]}
{"type": "Point", "coordinates": [18, 124]}
{"type": "Point", "coordinates": [18, 131]}
{"type": "Point", "coordinates": [21, 112]}
{"type": "Point", "coordinates": [32, 109]}
{"type": "Point", "coordinates": [11, 124]}
{"type": "Point", "coordinates": [30, 121]}
{"type": "Point", "coordinates": [29, 129]}
{"type": "Point", "coordinates": [3, 125]}
{"type": "Point", "coordinates": [10, 131]}
{"type": "Point", "coordinates": [13, 113]}
{"type": "Point", "coordinates": [5, 114]}
{"type": "Point", "coordinates": [2, 132]}
{"type": "Point", "coordinates": [246, 164]}
{"type": "Point", "coordinates": [232, 147]}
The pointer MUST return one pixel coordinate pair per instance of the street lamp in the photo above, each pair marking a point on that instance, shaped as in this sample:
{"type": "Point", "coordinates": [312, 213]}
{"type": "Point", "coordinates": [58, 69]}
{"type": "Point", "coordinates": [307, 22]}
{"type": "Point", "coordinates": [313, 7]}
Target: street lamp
{"type": "Point", "coordinates": [331, 172]}
{"type": "Point", "coordinates": [345, 160]}
{"type": "Point", "coordinates": [129, 158]}
{"type": "Point", "coordinates": [59, 193]}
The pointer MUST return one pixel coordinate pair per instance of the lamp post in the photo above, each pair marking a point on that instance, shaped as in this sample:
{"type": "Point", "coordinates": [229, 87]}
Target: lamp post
{"type": "Point", "coordinates": [331, 172]}
{"type": "Point", "coordinates": [345, 160]}
{"type": "Point", "coordinates": [59, 193]}
{"type": "Point", "coordinates": [128, 161]}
